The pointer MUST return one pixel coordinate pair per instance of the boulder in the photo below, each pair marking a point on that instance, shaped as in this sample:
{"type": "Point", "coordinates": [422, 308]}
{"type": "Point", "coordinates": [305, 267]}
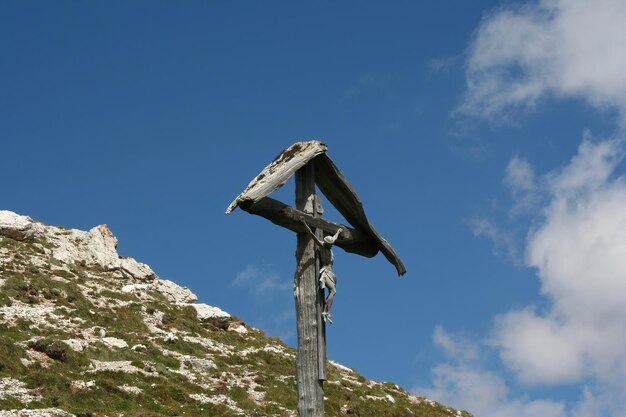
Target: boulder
{"type": "Point", "coordinates": [133, 269]}
{"type": "Point", "coordinates": [135, 288]}
{"type": "Point", "coordinates": [98, 246]}
{"type": "Point", "coordinates": [237, 327]}
{"type": "Point", "coordinates": [198, 364]}
{"type": "Point", "coordinates": [18, 227]}
{"type": "Point", "coordinates": [114, 342]}
{"type": "Point", "coordinates": [174, 292]}
{"type": "Point", "coordinates": [212, 315]}
{"type": "Point", "coordinates": [75, 344]}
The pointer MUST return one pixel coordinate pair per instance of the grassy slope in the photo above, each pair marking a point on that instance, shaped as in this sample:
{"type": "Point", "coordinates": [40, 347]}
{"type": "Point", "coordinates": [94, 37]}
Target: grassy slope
{"type": "Point", "coordinates": [243, 374]}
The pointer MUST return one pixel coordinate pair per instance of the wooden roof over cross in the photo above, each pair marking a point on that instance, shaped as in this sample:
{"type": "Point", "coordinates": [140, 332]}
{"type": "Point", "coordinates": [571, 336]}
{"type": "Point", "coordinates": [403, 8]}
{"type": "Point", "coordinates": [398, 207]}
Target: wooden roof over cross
{"type": "Point", "coordinates": [361, 238]}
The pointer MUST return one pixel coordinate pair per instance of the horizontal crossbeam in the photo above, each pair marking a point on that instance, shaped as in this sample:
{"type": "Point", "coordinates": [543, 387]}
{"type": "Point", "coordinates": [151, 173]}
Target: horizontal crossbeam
{"type": "Point", "coordinates": [352, 240]}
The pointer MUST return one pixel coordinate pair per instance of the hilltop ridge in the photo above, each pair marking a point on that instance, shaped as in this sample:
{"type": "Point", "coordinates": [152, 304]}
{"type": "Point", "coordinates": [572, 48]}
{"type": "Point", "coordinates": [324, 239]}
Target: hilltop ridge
{"type": "Point", "coordinates": [86, 332]}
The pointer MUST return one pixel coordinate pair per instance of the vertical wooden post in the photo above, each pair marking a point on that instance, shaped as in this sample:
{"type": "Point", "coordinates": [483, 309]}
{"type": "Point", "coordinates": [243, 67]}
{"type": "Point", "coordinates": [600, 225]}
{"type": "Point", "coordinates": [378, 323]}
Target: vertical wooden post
{"type": "Point", "coordinates": [321, 328]}
{"type": "Point", "coordinates": [310, 387]}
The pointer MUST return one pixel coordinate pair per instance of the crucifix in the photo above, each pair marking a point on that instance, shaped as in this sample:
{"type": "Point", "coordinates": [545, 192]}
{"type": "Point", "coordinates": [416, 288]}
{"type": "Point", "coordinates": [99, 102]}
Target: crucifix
{"type": "Point", "coordinates": [327, 278]}
{"type": "Point", "coordinates": [314, 258]}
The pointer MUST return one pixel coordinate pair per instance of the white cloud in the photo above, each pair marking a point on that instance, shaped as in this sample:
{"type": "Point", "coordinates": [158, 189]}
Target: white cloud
{"type": "Point", "coordinates": [589, 169]}
{"type": "Point", "coordinates": [539, 349]}
{"type": "Point", "coordinates": [463, 383]}
{"type": "Point", "coordinates": [579, 251]}
{"type": "Point", "coordinates": [520, 55]}
{"type": "Point", "coordinates": [455, 346]}
{"type": "Point", "coordinates": [272, 301]}
{"type": "Point", "coordinates": [442, 64]}
{"type": "Point", "coordinates": [520, 176]}
{"type": "Point", "coordinates": [261, 280]}
{"type": "Point", "coordinates": [522, 184]}
{"type": "Point", "coordinates": [564, 48]}
{"type": "Point", "coordinates": [504, 243]}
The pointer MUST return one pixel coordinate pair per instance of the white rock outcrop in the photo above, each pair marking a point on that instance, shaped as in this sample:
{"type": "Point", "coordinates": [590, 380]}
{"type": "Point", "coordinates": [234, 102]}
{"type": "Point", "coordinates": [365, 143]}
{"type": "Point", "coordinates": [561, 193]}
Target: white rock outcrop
{"type": "Point", "coordinates": [212, 315]}
{"type": "Point", "coordinates": [18, 227]}
{"type": "Point", "coordinates": [133, 269]}
{"type": "Point", "coordinates": [114, 342]}
{"type": "Point", "coordinates": [38, 412]}
{"type": "Point", "coordinates": [75, 344]}
{"type": "Point", "coordinates": [82, 386]}
{"type": "Point", "coordinates": [237, 327]}
{"type": "Point", "coordinates": [15, 388]}
{"type": "Point", "coordinates": [130, 389]}
{"type": "Point", "coordinates": [198, 364]}
{"type": "Point", "coordinates": [98, 246]}
{"type": "Point", "coordinates": [173, 292]}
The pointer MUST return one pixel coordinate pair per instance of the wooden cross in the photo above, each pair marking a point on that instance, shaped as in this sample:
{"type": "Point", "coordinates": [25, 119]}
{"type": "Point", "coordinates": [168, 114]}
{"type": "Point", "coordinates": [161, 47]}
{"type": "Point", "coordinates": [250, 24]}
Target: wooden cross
{"type": "Point", "coordinates": [312, 166]}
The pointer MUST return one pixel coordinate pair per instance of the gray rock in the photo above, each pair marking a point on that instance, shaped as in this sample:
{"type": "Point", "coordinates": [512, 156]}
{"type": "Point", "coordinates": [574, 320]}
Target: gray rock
{"type": "Point", "coordinates": [198, 364]}
{"type": "Point", "coordinates": [75, 344]}
{"type": "Point", "coordinates": [174, 292]}
{"type": "Point", "coordinates": [139, 348]}
{"type": "Point", "coordinates": [170, 337]}
{"type": "Point", "coordinates": [98, 246]}
{"type": "Point", "coordinates": [18, 227]}
{"type": "Point", "coordinates": [237, 327]}
{"type": "Point", "coordinates": [14, 388]}
{"type": "Point", "coordinates": [133, 269]}
{"type": "Point", "coordinates": [41, 412]}
{"type": "Point", "coordinates": [137, 289]}
{"type": "Point", "coordinates": [212, 315]}
{"type": "Point", "coordinates": [114, 342]}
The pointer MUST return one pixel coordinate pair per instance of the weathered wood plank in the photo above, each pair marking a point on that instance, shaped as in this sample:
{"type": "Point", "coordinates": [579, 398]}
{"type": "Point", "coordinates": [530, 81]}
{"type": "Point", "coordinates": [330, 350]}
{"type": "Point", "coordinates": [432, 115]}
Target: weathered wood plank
{"type": "Point", "coordinates": [310, 387]}
{"type": "Point", "coordinates": [279, 171]}
{"type": "Point", "coordinates": [332, 184]}
{"type": "Point", "coordinates": [353, 241]}
{"type": "Point", "coordinates": [321, 328]}
{"type": "Point", "coordinates": [340, 194]}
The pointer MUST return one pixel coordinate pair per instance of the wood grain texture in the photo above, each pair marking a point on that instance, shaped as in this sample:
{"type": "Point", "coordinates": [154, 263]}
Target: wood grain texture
{"type": "Point", "coordinates": [353, 241]}
{"type": "Point", "coordinates": [331, 183]}
{"type": "Point", "coordinates": [310, 387]}
{"type": "Point", "coordinates": [321, 328]}
{"type": "Point", "coordinates": [340, 194]}
{"type": "Point", "coordinates": [279, 171]}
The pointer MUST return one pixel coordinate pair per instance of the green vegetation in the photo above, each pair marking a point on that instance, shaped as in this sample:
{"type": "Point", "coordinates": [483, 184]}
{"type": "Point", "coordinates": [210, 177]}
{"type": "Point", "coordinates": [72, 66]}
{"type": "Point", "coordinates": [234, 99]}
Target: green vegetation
{"type": "Point", "coordinates": [160, 371]}
{"type": "Point", "coordinates": [10, 353]}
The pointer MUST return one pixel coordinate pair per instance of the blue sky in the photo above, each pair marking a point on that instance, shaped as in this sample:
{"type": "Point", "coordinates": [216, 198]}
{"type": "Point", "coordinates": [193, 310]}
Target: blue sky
{"type": "Point", "coordinates": [485, 139]}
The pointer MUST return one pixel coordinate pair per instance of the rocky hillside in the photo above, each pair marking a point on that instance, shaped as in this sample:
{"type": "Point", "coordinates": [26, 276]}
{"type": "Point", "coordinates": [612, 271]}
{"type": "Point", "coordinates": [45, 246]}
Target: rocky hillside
{"type": "Point", "coordinates": [86, 332]}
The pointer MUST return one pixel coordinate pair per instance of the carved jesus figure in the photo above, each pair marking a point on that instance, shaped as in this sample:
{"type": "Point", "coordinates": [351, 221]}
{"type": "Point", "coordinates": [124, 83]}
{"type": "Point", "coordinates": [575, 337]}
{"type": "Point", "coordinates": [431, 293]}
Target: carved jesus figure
{"type": "Point", "coordinates": [327, 278]}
